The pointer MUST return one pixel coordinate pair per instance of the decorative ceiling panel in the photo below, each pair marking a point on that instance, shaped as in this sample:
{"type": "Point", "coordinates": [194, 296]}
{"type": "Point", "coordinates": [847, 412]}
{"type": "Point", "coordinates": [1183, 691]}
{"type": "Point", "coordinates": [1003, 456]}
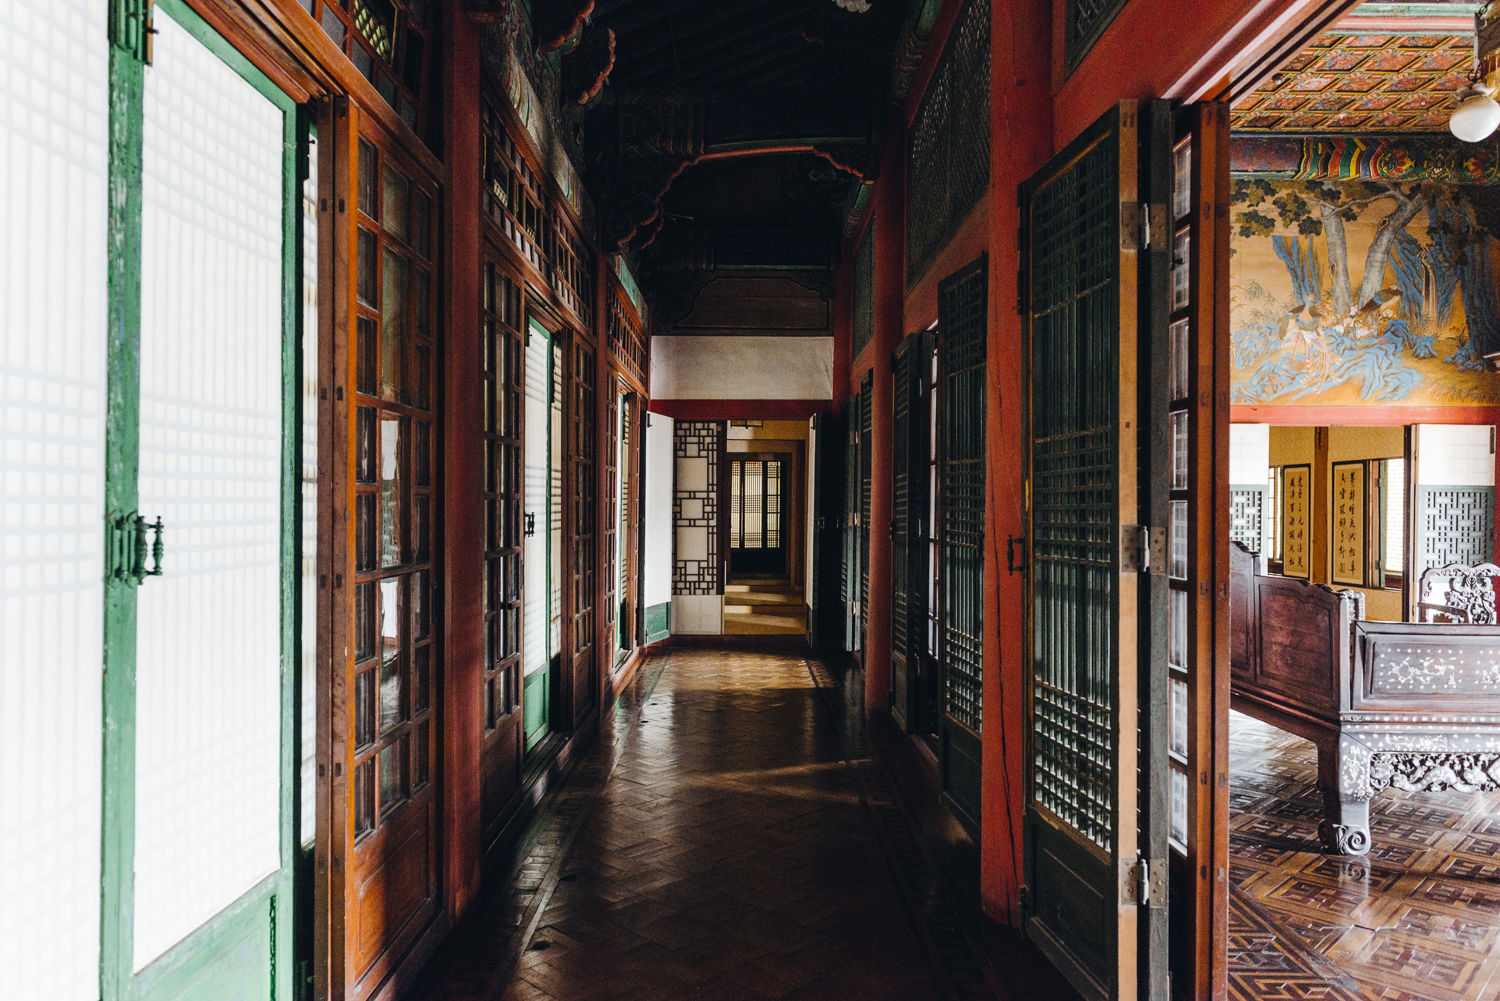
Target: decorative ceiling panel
{"type": "Point", "coordinates": [1350, 82]}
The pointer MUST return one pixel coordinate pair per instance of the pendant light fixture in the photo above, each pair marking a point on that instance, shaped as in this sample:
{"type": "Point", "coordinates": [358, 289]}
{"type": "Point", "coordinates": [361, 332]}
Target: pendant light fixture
{"type": "Point", "coordinates": [1478, 114]}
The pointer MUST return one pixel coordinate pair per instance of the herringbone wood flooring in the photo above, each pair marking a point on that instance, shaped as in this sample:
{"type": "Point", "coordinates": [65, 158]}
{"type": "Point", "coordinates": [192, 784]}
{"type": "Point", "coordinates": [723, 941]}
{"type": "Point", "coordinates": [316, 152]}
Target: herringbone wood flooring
{"type": "Point", "coordinates": [716, 847]}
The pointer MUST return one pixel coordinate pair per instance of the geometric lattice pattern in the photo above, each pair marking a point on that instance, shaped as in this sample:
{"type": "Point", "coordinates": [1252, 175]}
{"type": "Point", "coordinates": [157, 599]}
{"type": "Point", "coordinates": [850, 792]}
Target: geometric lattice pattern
{"type": "Point", "coordinates": [949, 159]}
{"type": "Point", "coordinates": [1455, 525]}
{"type": "Point", "coordinates": [1086, 21]}
{"type": "Point", "coordinates": [1072, 276]}
{"type": "Point", "coordinates": [961, 308]}
{"type": "Point", "coordinates": [864, 291]}
{"type": "Point", "coordinates": [1418, 919]}
{"type": "Point", "coordinates": [698, 447]}
{"type": "Point", "coordinates": [866, 396]}
{"type": "Point", "coordinates": [1247, 516]}
{"type": "Point", "coordinates": [1361, 83]}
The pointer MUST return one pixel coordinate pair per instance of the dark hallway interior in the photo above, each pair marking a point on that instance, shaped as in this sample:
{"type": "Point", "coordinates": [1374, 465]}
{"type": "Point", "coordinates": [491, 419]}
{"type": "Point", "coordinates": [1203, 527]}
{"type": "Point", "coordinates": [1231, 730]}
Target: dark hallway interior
{"type": "Point", "coordinates": [733, 835]}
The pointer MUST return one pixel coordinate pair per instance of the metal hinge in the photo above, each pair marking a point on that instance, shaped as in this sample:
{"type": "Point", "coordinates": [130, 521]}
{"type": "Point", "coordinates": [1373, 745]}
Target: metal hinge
{"type": "Point", "coordinates": [1135, 551]}
{"type": "Point", "coordinates": [1143, 226]}
{"type": "Point", "coordinates": [130, 27]}
{"type": "Point", "coordinates": [1143, 883]}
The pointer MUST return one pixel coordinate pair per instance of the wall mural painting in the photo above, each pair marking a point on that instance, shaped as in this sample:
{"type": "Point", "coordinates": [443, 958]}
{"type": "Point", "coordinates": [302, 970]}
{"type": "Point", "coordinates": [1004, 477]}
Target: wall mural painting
{"type": "Point", "coordinates": [1351, 293]}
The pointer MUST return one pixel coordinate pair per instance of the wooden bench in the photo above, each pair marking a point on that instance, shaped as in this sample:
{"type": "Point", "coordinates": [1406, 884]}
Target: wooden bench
{"type": "Point", "coordinates": [1405, 705]}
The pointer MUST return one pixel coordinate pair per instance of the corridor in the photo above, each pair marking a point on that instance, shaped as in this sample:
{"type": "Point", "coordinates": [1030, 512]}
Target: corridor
{"type": "Point", "coordinates": [721, 841]}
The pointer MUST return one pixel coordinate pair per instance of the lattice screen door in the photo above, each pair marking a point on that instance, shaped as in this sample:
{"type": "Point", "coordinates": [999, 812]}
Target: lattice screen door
{"type": "Point", "coordinates": [963, 300]}
{"type": "Point", "coordinates": [198, 810]}
{"type": "Point", "coordinates": [1095, 827]}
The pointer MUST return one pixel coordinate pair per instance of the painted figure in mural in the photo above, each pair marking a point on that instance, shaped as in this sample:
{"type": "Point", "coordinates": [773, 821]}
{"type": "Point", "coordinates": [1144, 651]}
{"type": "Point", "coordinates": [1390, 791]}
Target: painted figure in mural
{"type": "Point", "coordinates": [1415, 325]}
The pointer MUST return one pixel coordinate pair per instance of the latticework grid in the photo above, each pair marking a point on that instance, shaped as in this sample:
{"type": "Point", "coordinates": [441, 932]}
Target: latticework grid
{"type": "Point", "coordinates": [1086, 21]}
{"type": "Point", "coordinates": [961, 307]}
{"type": "Point", "coordinates": [948, 164]}
{"type": "Point", "coordinates": [1074, 318]}
{"type": "Point", "coordinates": [699, 449]}
{"type": "Point", "coordinates": [864, 290]}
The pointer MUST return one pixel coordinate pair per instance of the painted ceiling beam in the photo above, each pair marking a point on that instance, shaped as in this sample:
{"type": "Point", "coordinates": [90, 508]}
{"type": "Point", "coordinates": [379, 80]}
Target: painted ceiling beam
{"type": "Point", "coordinates": [1364, 158]}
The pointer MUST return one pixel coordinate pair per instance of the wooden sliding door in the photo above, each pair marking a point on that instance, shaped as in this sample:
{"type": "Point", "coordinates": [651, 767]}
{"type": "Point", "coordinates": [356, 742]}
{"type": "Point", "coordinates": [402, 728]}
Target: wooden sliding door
{"type": "Point", "coordinates": [384, 740]}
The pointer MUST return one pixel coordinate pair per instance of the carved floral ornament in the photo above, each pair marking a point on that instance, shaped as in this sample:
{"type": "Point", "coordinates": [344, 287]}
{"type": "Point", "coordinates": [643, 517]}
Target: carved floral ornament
{"type": "Point", "coordinates": [854, 6]}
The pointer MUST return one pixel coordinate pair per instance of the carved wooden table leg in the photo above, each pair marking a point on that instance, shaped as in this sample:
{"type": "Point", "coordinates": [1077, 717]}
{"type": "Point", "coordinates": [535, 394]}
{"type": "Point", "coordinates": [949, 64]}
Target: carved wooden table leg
{"type": "Point", "coordinates": [1344, 779]}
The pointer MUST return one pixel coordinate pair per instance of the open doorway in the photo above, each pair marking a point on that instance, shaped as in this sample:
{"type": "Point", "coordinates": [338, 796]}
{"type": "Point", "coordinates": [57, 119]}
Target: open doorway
{"type": "Point", "coordinates": [765, 501]}
{"type": "Point", "coordinates": [1362, 334]}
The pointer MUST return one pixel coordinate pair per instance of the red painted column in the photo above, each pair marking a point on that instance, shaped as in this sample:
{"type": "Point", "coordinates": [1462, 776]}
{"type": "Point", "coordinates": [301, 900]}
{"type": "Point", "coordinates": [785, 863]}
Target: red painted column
{"type": "Point", "coordinates": [1020, 143]}
{"type": "Point", "coordinates": [462, 473]}
{"type": "Point", "coordinates": [890, 293]}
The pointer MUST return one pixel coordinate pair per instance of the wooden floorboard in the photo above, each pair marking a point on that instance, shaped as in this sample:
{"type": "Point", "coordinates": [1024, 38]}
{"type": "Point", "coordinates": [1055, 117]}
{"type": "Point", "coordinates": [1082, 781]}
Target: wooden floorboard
{"type": "Point", "coordinates": [727, 838]}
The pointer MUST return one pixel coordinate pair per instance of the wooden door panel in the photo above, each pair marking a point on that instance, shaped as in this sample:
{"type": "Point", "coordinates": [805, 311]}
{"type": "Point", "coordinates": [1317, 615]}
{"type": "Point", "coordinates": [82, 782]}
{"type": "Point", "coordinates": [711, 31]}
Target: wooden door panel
{"type": "Point", "coordinates": [1199, 667]}
{"type": "Point", "coordinates": [385, 739]}
{"type": "Point", "coordinates": [500, 758]}
{"type": "Point", "coordinates": [963, 302]}
{"type": "Point", "coordinates": [1092, 828]}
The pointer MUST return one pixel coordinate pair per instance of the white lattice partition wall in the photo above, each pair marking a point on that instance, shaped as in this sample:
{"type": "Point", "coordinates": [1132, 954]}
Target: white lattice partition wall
{"type": "Point", "coordinates": [54, 105]}
{"type": "Point", "coordinates": [208, 661]}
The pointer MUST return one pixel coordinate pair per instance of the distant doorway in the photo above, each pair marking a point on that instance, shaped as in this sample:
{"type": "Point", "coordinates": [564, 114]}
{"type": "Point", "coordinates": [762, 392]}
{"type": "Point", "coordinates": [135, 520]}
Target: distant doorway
{"type": "Point", "coordinates": [756, 537]}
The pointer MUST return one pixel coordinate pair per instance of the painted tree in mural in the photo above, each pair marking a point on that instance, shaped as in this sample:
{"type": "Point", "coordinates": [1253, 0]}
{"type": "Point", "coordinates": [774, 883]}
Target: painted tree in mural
{"type": "Point", "coordinates": [1323, 209]}
{"type": "Point", "coordinates": [1377, 323]}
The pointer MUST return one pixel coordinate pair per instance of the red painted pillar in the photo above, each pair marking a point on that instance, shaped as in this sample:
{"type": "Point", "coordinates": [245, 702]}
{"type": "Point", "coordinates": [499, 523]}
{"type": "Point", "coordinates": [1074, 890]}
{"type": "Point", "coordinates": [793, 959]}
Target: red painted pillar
{"type": "Point", "coordinates": [890, 294]}
{"type": "Point", "coordinates": [462, 479]}
{"type": "Point", "coordinates": [1020, 143]}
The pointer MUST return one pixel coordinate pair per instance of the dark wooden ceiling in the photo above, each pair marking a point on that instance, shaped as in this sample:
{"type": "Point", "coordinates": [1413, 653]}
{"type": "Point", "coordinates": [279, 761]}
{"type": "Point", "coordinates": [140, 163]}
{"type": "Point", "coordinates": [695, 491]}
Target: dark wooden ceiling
{"type": "Point", "coordinates": [749, 46]}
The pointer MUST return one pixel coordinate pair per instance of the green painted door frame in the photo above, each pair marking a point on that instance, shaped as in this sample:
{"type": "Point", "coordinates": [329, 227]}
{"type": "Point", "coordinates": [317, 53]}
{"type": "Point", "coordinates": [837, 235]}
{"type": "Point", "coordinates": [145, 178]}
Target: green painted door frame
{"type": "Point", "coordinates": [247, 936]}
{"type": "Point", "coordinates": [537, 688]}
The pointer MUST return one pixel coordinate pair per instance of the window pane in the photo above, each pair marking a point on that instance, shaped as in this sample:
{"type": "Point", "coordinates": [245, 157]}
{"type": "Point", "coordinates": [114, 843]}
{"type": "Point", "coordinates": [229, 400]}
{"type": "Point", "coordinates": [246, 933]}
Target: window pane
{"type": "Point", "coordinates": [393, 287]}
{"type": "Point", "coordinates": [1393, 554]}
{"type": "Point", "coordinates": [390, 652]}
{"type": "Point", "coordinates": [390, 491]}
{"type": "Point", "coordinates": [393, 202]}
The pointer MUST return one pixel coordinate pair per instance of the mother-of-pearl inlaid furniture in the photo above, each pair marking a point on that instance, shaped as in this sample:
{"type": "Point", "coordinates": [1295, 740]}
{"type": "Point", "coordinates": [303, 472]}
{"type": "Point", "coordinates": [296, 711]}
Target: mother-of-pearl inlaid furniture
{"type": "Point", "coordinates": [1403, 705]}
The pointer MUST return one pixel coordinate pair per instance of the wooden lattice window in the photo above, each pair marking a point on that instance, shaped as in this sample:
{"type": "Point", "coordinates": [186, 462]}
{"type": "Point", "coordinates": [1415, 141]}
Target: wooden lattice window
{"type": "Point", "coordinates": [393, 505]}
{"type": "Point", "coordinates": [866, 393]}
{"type": "Point", "coordinates": [864, 290]}
{"type": "Point", "coordinates": [583, 421]}
{"type": "Point", "coordinates": [626, 335]}
{"type": "Point", "coordinates": [512, 192]}
{"type": "Point", "coordinates": [1086, 21]}
{"type": "Point", "coordinates": [503, 387]}
{"type": "Point", "coordinates": [948, 164]}
{"type": "Point", "coordinates": [387, 41]}
{"type": "Point", "coordinates": [962, 305]}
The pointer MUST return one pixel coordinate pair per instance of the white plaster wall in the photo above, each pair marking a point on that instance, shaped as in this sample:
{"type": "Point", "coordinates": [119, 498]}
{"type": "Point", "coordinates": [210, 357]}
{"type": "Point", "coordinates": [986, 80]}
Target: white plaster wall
{"type": "Point", "coordinates": [1249, 453]}
{"type": "Point", "coordinates": [697, 614]}
{"type": "Point", "coordinates": [1454, 455]}
{"type": "Point", "coordinates": [742, 368]}
{"type": "Point", "coordinates": [657, 537]}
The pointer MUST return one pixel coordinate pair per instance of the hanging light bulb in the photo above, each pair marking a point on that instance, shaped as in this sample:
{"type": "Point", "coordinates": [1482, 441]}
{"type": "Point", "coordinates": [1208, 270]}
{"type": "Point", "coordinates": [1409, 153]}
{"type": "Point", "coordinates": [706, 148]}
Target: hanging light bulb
{"type": "Point", "coordinates": [1477, 115]}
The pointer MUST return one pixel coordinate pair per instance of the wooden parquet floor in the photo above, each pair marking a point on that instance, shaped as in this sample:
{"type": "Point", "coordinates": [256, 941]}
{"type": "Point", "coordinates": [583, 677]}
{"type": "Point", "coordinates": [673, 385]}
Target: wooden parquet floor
{"type": "Point", "coordinates": [717, 844]}
{"type": "Point", "coordinates": [1418, 919]}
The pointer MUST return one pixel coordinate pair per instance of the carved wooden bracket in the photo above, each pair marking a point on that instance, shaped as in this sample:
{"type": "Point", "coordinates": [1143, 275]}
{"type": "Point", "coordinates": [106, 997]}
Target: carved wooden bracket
{"type": "Point", "coordinates": [558, 21]}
